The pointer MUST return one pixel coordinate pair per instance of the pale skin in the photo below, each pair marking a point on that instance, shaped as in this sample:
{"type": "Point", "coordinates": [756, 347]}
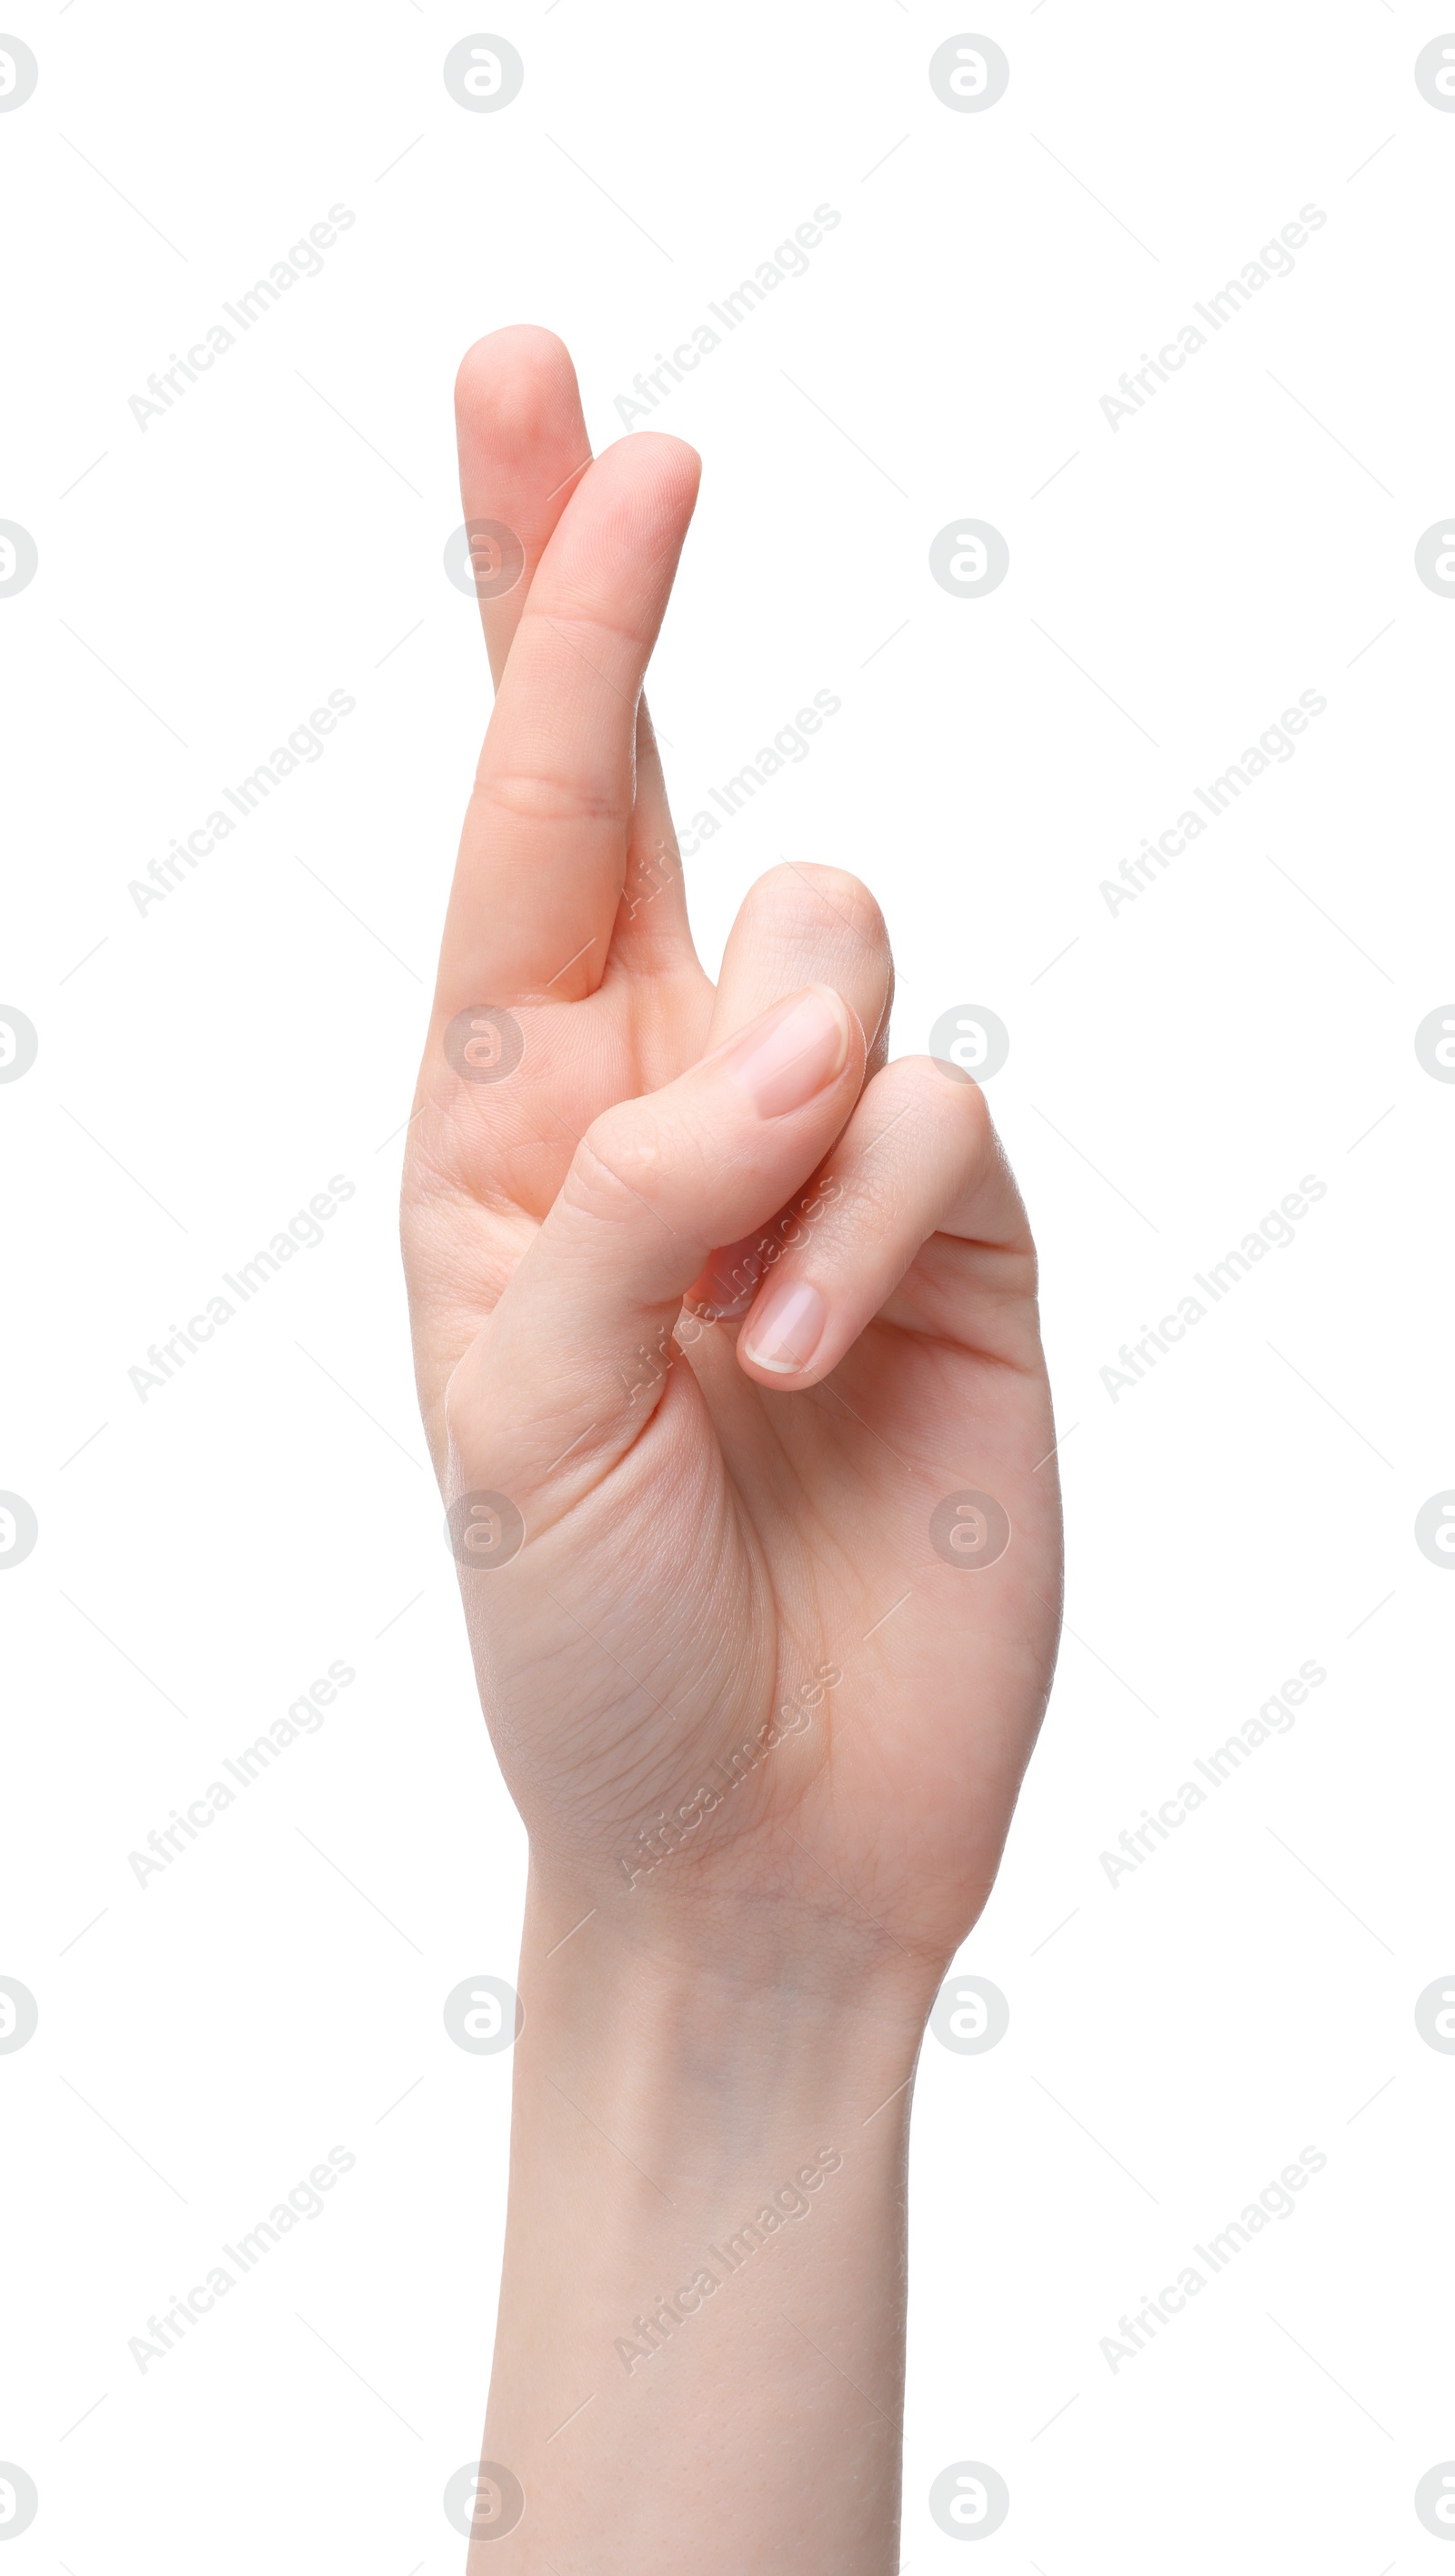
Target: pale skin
{"type": "Point", "coordinates": [764, 1734]}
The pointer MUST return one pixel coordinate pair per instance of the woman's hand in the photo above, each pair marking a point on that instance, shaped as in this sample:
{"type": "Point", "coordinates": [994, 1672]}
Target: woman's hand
{"type": "Point", "coordinates": [743, 1603]}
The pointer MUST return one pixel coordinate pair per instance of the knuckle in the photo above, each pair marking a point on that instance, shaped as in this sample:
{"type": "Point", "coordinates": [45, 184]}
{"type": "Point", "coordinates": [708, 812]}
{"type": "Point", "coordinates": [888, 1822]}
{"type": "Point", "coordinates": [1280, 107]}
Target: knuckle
{"type": "Point", "coordinates": [578, 622]}
{"type": "Point", "coordinates": [617, 1165]}
{"type": "Point", "coordinates": [537, 797]}
{"type": "Point", "coordinates": [955, 1098]}
{"type": "Point", "coordinates": [970, 1106]}
{"type": "Point", "coordinates": [967, 1112]}
{"type": "Point", "coordinates": [845, 897]}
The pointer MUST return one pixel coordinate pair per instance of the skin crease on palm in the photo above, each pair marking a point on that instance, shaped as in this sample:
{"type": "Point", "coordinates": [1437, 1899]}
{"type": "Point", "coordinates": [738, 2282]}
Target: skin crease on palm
{"type": "Point", "coordinates": [736, 1919]}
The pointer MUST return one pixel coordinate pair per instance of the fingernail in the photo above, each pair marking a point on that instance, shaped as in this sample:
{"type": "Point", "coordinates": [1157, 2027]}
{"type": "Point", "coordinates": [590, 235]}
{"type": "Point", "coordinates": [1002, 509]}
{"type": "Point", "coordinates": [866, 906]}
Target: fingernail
{"type": "Point", "coordinates": [788, 1058]}
{"type": "Point", "coordinates": [787, 1329]}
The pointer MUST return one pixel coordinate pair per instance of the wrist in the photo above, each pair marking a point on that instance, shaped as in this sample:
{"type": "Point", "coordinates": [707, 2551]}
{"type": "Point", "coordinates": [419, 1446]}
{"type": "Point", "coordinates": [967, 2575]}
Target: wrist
{"type": "Point", "coordinates": [730, 1981]}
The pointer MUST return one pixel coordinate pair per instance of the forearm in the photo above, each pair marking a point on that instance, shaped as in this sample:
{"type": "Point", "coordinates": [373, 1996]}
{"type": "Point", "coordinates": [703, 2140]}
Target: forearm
{"type": "Point", "coordinates": [701, 2332]}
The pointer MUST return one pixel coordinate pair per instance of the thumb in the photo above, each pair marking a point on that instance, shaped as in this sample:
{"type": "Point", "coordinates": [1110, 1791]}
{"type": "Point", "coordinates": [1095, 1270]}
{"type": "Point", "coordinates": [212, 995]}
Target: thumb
{"type": "Point", "coordinates": [562, 1377]}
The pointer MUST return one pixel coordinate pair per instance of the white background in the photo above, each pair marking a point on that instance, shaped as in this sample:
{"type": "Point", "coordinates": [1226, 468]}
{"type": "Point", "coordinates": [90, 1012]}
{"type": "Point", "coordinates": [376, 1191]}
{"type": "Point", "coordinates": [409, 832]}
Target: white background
{"type": "Point", "coordinates": [207, 1066]}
